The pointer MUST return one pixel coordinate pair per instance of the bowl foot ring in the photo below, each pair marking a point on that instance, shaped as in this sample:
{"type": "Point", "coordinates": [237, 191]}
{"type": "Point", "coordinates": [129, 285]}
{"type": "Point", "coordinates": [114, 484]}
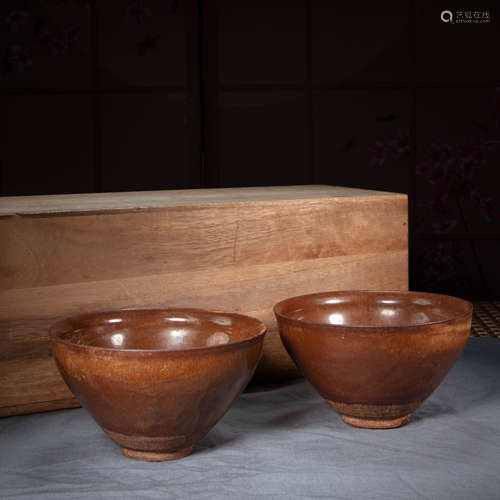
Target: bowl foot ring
{"type": "Point", "coordinates": [368, 423]}
{"type": "Point", "coordinates": [157, 456]}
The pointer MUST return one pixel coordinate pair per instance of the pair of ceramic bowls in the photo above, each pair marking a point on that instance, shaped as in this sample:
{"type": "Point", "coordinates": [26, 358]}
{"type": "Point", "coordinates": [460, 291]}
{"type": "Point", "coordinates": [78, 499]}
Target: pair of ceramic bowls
{"type": "Point", "coordinates": [157, 380]}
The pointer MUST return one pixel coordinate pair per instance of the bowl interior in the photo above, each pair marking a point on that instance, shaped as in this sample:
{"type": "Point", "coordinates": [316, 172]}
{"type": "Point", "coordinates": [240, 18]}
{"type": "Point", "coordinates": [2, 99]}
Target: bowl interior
{"type": "Point", "coordinates": [373, 309]}
{"type": "Point", "coordinates": [157, 329]}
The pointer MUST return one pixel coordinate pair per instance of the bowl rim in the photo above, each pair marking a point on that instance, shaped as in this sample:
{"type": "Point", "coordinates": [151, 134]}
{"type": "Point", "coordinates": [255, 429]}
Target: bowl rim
{"type": "Point", "coordinates": [55, 332]}
{"type": "Point", "coordinates": [373, 327]}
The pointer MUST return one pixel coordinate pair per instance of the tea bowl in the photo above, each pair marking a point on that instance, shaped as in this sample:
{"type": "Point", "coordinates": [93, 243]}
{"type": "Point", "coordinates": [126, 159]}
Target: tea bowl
{"type": "Point", "coordinates": [374, 356]}
{"type": "Point", "coordinates": [157, 380]}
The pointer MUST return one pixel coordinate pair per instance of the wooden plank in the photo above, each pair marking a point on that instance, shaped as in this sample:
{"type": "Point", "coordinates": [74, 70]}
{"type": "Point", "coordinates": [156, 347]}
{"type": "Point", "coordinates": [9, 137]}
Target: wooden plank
{"type": "Point", "coordinates": [44, 251]}
{"type": "Point", "coordinates": [29, 381]}
{"type": "Point", "coordinates": [237, 255]}
{"type": "Point", "coordinates": [141, 200]}
{"type": "Point", "coordinates": [51, 405]}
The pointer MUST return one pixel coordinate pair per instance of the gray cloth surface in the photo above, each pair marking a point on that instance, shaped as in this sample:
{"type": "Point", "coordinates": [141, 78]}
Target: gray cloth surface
{"type": "Point", "coordinates": [286, 443]}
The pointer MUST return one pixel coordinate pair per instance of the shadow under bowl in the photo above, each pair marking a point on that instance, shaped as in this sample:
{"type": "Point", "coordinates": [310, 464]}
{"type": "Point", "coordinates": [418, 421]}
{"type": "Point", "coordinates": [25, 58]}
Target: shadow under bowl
{"type": "Point", "coordinates": [157, 380]}
{"type": "Point", "coordinates": [375, 356]}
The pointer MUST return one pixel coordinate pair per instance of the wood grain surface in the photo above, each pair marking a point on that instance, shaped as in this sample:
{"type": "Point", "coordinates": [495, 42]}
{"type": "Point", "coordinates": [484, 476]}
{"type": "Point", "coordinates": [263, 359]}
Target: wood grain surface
{"type": "Point", "coordinates": [239, 249]}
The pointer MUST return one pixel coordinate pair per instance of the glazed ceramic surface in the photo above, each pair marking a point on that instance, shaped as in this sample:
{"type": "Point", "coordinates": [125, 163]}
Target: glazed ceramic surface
{"type": "Point", "coordinates": [375, 356]}
{"type": "Point", "coordinates": [157, 380]}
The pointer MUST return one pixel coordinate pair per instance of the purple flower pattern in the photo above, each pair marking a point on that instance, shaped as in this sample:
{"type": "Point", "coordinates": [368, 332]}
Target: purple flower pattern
{"type": "Point", "coordinates": [393, 148]}
{"type": "Point", "coordinates": [148, 44]}
{"type": "Point", "coordinates": [16, 59]}
{"type": "Point", "coordinates": [138, 12]}
{"type": "Point", "coordinates": [451, 168]}
{"type": "Point", "coordinates": [29, 34]}
{"type": "Point", "coordinates": [442, 264]}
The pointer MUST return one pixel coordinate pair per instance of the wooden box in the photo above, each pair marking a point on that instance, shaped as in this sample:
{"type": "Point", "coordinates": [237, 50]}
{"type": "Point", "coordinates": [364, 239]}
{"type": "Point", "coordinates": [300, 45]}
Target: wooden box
{"type": "Point", "coordinates": [239, 249]}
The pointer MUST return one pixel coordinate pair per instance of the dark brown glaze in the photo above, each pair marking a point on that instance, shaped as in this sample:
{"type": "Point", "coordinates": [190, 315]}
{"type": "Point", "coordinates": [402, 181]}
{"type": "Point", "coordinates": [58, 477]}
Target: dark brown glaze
{"type": "Point", "coordinates": [157, 380]}
{"type": "Point", "coordinates": [375, 356]}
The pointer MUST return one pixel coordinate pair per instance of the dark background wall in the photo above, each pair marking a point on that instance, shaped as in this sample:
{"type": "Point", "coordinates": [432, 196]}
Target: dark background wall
{"type": "Point", "coordinates": [161, 94]}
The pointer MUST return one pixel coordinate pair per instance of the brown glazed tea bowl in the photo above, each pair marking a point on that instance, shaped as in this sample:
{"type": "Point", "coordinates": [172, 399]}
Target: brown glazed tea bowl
{"type": "Point", "coordinates": [375, 356]}
{"type": "Point", "coordinates": [157, 380]}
